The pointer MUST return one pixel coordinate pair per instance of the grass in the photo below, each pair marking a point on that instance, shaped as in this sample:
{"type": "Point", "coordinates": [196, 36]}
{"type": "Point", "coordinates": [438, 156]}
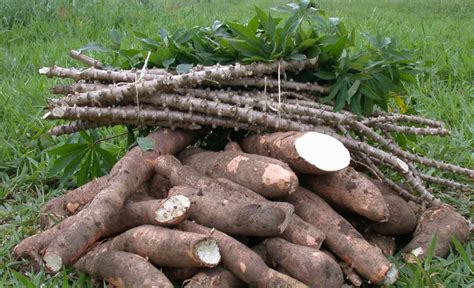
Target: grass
{"type": "Point", "coordinates": [40, 33]}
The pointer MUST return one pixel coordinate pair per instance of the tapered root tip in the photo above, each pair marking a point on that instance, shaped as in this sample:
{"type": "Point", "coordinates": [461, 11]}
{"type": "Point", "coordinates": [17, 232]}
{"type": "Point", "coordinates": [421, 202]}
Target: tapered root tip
{"type": "Point", "coordinates": [53, 262]}
{"type": "Point", "coordinates": [329, 155]}
{"type": "Point", "coordinates": [173, 209]}
{"type": "Point", "coordinates": [208, 252]}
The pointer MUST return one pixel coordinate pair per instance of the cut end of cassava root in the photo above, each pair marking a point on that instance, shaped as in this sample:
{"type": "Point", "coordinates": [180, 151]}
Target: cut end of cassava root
{"type": "Point", "coordinates": [53, 262]}
{"type": "Point", "coordinates": [208, 252]}
{"type": "Point", "coordinates": [173, 208]}
{"type": "Point", "coordinates": [329, 155]}
{"type": "Point", "coordinates": [391, 276]}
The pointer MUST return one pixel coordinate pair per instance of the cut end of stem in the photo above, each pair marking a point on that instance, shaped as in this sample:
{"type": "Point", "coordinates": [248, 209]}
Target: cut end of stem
{"type": "Point", "coordinates": [44, 70]}
{"type": "Point", "coordinates": [208, 252]}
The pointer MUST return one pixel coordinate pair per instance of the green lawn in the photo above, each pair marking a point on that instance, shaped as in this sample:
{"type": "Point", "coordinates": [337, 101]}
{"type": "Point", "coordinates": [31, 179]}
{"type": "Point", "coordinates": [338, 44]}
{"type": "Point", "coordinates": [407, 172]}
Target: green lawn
{"type": "Point", "coordinates": [40, 33]}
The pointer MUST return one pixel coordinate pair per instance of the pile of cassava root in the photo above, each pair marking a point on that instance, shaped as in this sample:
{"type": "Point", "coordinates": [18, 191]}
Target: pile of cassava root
{"type": "Point", "coordinates": [240, 216]}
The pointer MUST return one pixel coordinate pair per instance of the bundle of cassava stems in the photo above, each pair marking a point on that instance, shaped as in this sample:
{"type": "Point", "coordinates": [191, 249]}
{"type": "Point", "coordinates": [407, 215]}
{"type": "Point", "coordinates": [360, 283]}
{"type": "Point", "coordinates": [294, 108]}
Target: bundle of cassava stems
{"type": "Point", "coordinates": [256, 213]}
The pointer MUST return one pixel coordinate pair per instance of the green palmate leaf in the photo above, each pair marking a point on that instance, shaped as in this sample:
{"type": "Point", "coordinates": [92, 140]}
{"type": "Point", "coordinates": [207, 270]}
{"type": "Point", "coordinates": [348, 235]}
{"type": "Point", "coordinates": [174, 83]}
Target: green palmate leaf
{"type": "Point", "coordinates": [150, 43]}
{"type": "Point", "coordinates": [64, 161]}
{"type": "Point", "coordinates": [67, 149]}
{"type": "Point", "coordinates": [145, 143]}
{"type": "Point", "coordinates": [313, 52]}
{"type": "Point", "coordinates": [82, 175]}
{"type": "Point", "coordinates": [262, 16]}
{"type": "Point", "coordinates": [386, 82]}
{"type": "Point", "coordinates": [168, 62]}
{"type": "Point", "coordinates": [366, 88]}
{"type": "Point", "coordinates": [96, 169]}
{"type": "Point", "coordinates": [108, 159]}
{"type": "Point", "coordinates": [183, 68]}
{"type": "Point", "coordinates": [368, 105]}
{"type": "Point", "coordinates": [183, 35]}
{"type": "Point", "coordinates": [290, 27]}
{"type": "Point", "coordinates": [353, 90]}
{"type": "Point", "coordinates": [296, 57]}
{"type": "Point", "coordinates": [72, 166]}
{"type": "Point", "coordinates": [341, 97]}
{"type": "Point", "coordinates": [325, 75]}
{"type": "Point", "coordinates": [307, 32]}
{"type": "Point", "coordinates": [334, 91]}
{"type": "Point", "coordinates": [249, 37]}
{"type": "Point", "coordinates": [356, 105]}
{"type": "Point", "coordinates": [158, 57]}
{"type": "Point", "coordinates": [245, 48]}
{"type": "Point", "coordinates": [253, 24]}
{"type": "Point", "coordinates": [305, 45]}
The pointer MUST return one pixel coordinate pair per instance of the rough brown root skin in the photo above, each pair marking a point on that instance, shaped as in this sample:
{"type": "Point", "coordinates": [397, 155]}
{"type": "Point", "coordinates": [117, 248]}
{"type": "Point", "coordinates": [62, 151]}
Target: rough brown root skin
{"type": "Point", "coordinates": [121, 269]}
{"type": "Point", "coordinates": [232, 146]}
{"type": "Point", "coordinates": [349, 189]}
{"type": "Point", "coordinates": [180, 274]}
{"type": "Point", "coordinates": [302, 233]}
{"type": "Point", "coordinates": [278, 218]}
{"type": "Point", "coordinates": [310, 266]}
{"type": "Point", "coordinates": [342, 239]}
{"type": "Point", "coordinates": [167, 247]}
{"type": "Point", "coordinates": [128, 174]}
{"type": "Point", "coordinates": [242, 261]}
{"type": "Point", "coordinates": [305, 152]}
{"type": "Point", "coordinates": [444, 222]}
{"type": "Point", "coordinates": [386, 244]}
{"type": "Point", "coordinates": [402, 219]}
{"type": "Point", "coordinates": [158, 186]}
{"type": "Point", "coordinates": [298, 231]}
{"type": "Point", "coordinates": [261, 251]}
{"type": "Point", "coordinates": [164, 212]}
{"type": "Point", "coordinates": [268, 177]}
{"type": "Point", "coordinates": [71, 202]}
{"type": "Point", "coordinates": [242, 217]}
{"type": "Point", "coordinates": [215, 277]}
{"type": "Point", "coordinates": [351, 275]}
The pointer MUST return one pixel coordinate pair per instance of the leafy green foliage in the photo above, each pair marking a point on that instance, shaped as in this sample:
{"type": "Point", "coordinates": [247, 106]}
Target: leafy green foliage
{"type": "Point", "coordinates": [359, 79]}
{"type": "Point", "coordinates": [81, 156]}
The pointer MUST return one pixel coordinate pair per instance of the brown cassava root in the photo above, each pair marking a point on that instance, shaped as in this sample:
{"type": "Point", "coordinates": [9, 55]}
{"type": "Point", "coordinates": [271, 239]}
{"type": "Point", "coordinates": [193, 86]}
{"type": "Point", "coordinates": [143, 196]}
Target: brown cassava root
{"type": "Point", "coordinates": [343, 239]}
{"type": "Point", "coordinates": [128, 174]}
{"type": "Point", "coordinates": [122, 269]}
{"type": "Point", "coordinates": [243, 262]}
{"type": "Point", "coordinates": [210, 200]}
{"type": "Point", "coordinates": [228, 191]}
{"type": "Point", "coordinates": [266, 176]}
{"type": "Point", "coordinates": [351, 190]}
{"type": "Point", "coordinates": [306, 264]}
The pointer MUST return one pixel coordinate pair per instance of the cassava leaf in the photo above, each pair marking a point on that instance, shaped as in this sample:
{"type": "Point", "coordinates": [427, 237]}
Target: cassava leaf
{"type": "Point", "coordinates": [145, 143]}
{"type": "Point", "coordinates": [183, 68]}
